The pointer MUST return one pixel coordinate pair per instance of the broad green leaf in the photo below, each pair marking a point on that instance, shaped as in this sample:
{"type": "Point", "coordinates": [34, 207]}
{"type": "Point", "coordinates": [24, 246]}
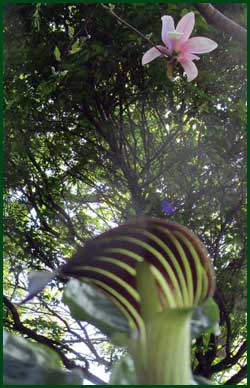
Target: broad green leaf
{"type": "Point", "coordinates": [205, 318]}
{"type": "Point", "coordinates": [87, 303]}
{"type": "Point", "coordinates": [57, 54]}
{"type": "Point", "coordinates": [34, 364]}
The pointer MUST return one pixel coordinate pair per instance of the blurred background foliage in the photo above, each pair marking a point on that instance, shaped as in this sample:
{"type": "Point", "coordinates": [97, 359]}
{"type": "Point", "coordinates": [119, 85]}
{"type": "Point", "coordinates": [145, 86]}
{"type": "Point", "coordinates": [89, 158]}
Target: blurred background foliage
{"type": "Point", "coordinates": [92, 139]}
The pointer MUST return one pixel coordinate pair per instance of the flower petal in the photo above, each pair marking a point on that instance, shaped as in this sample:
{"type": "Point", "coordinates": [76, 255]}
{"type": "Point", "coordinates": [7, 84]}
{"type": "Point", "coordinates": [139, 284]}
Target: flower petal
{"type": "Point", "coordinates": [199, 45]}
{"type": "Point", "coordinates": [153, 53]}
{"type": "Point", "coordinates": [167, 207]}
{"type": "Point", "coordinates": [193, 57]}
{"type": "Point", "coordinates": [167, 25]}
{"type": "Point", "coordinates": [174, 35]}
{"type": "Point", "coordinates": [187, 56]}
{"type": "Point", "coordinates": [186, 25]}
{"type": "Point", "coordinates": [189, 68]}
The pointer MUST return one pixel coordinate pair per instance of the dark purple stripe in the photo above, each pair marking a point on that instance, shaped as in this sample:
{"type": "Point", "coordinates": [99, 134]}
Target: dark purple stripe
{"type": "Point", "coordinates": [190, 261]}
{"type": "Point", "coordinates": [111, 297]}
{"type": "Point", "coordinates": [110, 282]}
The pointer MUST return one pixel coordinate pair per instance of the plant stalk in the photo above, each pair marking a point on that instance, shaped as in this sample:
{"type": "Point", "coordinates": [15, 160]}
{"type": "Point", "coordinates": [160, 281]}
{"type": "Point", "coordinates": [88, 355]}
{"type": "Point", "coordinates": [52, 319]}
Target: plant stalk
{"type": "Point", "coordinates": [163, 357]}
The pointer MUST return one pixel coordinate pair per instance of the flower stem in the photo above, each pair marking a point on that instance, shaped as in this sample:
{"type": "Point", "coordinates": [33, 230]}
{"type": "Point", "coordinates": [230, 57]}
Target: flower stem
{"type": "Point", "coordinates": [167, 360]}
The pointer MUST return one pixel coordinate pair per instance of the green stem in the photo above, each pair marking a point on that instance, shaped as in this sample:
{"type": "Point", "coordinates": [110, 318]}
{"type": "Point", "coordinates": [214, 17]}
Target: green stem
{"type": "Point", "coordinates": [162, 351]}
{"type": "Point", "coordinates": [167, 360]}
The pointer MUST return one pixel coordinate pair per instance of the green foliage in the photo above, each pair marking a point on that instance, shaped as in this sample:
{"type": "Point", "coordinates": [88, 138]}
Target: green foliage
{"type": "Point", "coordinates": [87, 303]}
{"type": "Point", "coordinates": [75, 47]}
{"type": "Point", "coordinates": [26, 363]}
{"type": "Point", "coordinates": [124, 372]}
{"type": "Point", "coordinates": [205, 318]}
{"type": "Point", "coordinates": [57, 54]}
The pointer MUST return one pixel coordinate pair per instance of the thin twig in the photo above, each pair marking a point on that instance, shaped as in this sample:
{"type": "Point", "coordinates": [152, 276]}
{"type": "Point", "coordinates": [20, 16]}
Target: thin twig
{"type": "Point", "coordinates": [110, 10]}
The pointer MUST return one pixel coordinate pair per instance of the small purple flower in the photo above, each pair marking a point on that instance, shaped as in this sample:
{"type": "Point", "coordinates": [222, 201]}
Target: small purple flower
{"type": "Point", "coordinates": [167, 207]}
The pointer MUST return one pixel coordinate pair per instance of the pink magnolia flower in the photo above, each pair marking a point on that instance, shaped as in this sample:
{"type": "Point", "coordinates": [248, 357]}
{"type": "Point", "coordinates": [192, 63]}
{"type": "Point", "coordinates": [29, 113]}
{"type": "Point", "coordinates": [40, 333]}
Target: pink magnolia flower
{"type": "Point", "coordinates": [178, 46]}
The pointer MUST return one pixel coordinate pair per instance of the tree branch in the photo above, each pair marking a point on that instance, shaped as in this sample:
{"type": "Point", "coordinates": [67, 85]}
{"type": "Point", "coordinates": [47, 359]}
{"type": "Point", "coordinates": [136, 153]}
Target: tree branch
{"type": "Point", "coordinates": [21, 328]}
{"type": "Point", "coordinates": [227, 362]}
{"type": "Point", "coordinates": [110, 10]}
{"type": "Point", "coordinates": [223, 23]}
{"type": "Point", "coordinates": [238, 377]}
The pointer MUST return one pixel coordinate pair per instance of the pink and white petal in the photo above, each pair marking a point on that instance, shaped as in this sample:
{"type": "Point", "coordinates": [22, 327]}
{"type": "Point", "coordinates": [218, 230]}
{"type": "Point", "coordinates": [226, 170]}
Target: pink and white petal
{"type": "Point", "coordinates": [190, 69]}
{"type": "Point", "coordinates": [184, 56]}
{"type": "Point", "coordinates": [199, 45]}
{"type": "Point", "coordinates": [153, 53]}
{"type": "Point", "coordinates": [186, 25]}
{"type": "Point", "coordinates": [192, 57]}
{"type": "Point", "coordinates": [167, 25]}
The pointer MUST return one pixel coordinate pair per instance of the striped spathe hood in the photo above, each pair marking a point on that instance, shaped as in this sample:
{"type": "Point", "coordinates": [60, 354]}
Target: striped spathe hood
{"type": "Point", "coordinates": [178, 260]}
